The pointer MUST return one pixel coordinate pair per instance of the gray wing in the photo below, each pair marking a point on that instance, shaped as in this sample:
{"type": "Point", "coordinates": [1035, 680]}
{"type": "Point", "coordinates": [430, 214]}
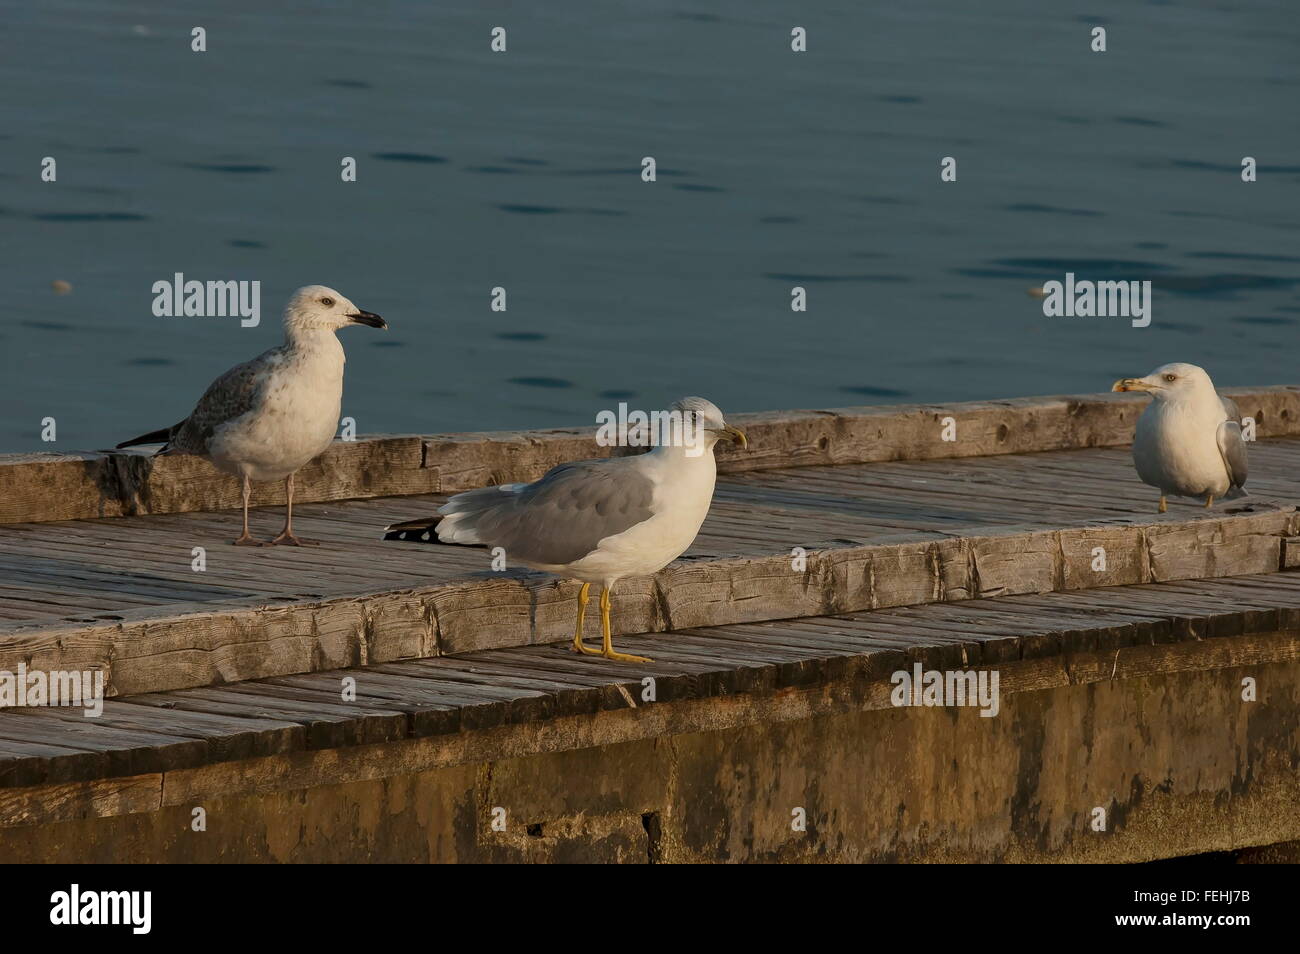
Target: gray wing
{"type": "Point", "coordinates": [1230, 408]}
{"type": "Point", "coordinates": [555, 520]}
{"type": "Point", "coordinates": [236, 392]}
{"type": "Point", "coordinates": [1233, 449]}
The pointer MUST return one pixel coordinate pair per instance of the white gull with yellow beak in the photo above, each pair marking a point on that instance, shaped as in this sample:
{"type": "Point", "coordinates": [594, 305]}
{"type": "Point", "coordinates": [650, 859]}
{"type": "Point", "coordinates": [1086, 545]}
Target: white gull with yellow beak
{"type": "Point", "coordinates": [1189, 439]}
{"type": "Point", "coordinates": [598, 521]}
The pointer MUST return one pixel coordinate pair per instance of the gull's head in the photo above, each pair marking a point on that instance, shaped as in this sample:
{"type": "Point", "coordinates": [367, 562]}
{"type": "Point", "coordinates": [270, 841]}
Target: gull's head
{"type": "Point", "coordinates": [1170, 382]}
{"type": "Point", "coordinates": [702, 414]}
{"type": "Point", "coordinates": [321, 307]}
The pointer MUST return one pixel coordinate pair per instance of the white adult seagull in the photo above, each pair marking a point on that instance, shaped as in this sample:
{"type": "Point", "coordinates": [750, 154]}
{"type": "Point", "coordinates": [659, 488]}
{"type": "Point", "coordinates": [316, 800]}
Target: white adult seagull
{"type": "Point", "coordinates": [1188, 440]}
{"type": "Point", "coordinates": [597, 521]}
{"type": "Point", "coordinates": [266, 418]}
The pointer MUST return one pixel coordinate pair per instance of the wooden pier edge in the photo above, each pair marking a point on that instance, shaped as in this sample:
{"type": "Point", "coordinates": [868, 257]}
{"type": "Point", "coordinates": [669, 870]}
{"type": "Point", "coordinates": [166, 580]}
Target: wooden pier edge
{"type": "Point", "coordinates": [211, 645]}
{"type": "Point", "coordinates": [57, 486]}
{"type": "Point", "coordinates": [1085, 724]}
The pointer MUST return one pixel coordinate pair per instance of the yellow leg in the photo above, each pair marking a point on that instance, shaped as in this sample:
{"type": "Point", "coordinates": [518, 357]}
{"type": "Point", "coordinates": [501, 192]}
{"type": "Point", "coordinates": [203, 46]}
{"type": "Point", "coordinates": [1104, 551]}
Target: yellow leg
{"type": "Point", "coordinates": [583, 600]}
{"type": "Point", "coordinates": [604, 629]}
{"type": "Point", "coordinates": [1209, 501]}
{"type": "Point", "coordinates": [1163, 506]}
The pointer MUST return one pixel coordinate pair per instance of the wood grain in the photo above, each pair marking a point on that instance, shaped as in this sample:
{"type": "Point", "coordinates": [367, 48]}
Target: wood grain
{"type": "Point", "coordinates": [1035, 641]}
{"type": "Point", "coordinates": [70, 486]}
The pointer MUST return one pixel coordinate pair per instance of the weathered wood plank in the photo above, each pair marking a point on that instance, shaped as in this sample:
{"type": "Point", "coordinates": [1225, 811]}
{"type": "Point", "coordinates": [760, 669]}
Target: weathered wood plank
{"type": "Point", "coordinates": [40, 804]}
{"type": "Point", "coordinates": [209, 644]}
{"type": "Point", "coordinates": [1056, 638]}
{"type": "Point", "coordinates": [56, 486]}
{"type": "Point", "coordinates": [122, 595]}
{"type": "Point", "coordinates": [40, 487]}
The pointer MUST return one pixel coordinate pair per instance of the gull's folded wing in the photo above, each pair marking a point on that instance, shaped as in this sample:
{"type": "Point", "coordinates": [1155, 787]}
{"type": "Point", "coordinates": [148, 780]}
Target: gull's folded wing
{"type": "Point", "coordinates": [1230, 408]}
{"type": "Point", "coordinates": [1233, 449]}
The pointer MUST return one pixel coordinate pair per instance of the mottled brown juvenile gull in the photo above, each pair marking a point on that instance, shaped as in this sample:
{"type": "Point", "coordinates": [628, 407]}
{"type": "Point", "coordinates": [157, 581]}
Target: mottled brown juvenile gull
{"type": "Point", "coordinates": [597, 521]}
{"type": "Point", "coordinates": [266, 418]}
{"type": "Point", "coordinates": [1189, 440]}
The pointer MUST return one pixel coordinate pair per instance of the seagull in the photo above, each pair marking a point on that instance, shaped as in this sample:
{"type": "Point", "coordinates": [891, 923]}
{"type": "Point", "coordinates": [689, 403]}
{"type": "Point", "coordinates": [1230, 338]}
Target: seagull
{"type": "Point", "coordinates": [1188, 440]}
{"type": "Point", "coordinates": [598, 521]}
{"type": "Point", "coordinates": [266, 418]}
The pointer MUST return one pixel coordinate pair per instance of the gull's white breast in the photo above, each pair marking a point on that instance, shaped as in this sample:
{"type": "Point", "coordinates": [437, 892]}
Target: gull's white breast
{"type": "Point", "coordinates": [294, 421]}
{"type": "Point", "coordinates": [1176, 448]}
{"type": "Point", "coordinates": [682, 495]}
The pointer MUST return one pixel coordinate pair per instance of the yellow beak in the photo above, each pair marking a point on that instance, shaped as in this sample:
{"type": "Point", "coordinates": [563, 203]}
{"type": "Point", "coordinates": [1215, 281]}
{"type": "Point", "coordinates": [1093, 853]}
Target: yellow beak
{"type": "Point", "coordinates": [1130, 384]}
{"type": "Point", "coordinates": [735, 435]}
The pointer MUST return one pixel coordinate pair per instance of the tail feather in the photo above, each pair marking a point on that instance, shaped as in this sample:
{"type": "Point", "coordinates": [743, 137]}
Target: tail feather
{"type": "Point", "coordinates": [423, 530]}
{"type": "Point", "coordinates": [153, 437]}
{"type": "Point", "coordinates": [455, 521]}
{"type": "Point", "coordinates": [472, 501]}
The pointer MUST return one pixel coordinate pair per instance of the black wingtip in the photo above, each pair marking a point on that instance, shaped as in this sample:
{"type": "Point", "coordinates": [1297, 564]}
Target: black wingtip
{"type": "Point", "coordinates": [415, 531]}
{"type": "Point", "coordinates": [153, 437]}
{"type": "Point", "coordinates": [414, 536]}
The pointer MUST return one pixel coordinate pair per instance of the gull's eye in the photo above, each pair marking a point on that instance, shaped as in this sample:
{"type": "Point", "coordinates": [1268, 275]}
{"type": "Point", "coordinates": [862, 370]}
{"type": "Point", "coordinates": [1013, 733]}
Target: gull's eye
{"type": "Point", "coordinates": [1171, 377]}
{"type": "Point", "coordinates": [327, 301]}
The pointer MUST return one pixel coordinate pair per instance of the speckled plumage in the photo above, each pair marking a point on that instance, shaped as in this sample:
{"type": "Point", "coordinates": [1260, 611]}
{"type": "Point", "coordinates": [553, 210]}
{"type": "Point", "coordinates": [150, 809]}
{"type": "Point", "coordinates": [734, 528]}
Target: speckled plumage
{"type": "Point", "coordinates": [234, 393]}
{"type": "Point", "coordinates": [264, 419]}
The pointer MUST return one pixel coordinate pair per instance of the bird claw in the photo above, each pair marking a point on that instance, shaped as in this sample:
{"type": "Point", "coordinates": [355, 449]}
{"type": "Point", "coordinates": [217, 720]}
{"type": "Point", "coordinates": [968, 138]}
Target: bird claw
{"type": "Point", "coordinates": [247, 541]}
{"type": "Point", "coordinates": [611, 654]}
{"type": "Point", "coordinates": [289, 540]}
{"type": "Point", "coordinates": [626, 657]}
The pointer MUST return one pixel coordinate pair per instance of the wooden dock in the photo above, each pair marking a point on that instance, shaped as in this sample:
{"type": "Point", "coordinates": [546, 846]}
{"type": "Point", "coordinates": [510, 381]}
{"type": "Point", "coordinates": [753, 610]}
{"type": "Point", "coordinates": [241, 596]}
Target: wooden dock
{"type": "Point", "coordinates": [848, 546]}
